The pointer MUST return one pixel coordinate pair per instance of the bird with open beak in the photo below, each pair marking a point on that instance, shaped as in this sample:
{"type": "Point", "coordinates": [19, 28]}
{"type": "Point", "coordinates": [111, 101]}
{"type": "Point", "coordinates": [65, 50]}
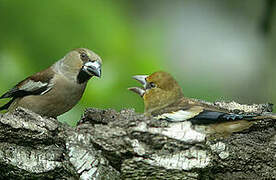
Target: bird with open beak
{"type": "Point", "coordinates": [57, 89]}
{"type": "Point", "coordinates": [163, 99]}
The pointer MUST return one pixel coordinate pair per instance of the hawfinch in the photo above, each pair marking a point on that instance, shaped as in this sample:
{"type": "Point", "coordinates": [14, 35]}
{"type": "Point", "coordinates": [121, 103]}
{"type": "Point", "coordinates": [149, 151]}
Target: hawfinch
{"type": "Point", "coordinates": [163, 98]}
{"type": "Point", "coordinates": [57, 89]}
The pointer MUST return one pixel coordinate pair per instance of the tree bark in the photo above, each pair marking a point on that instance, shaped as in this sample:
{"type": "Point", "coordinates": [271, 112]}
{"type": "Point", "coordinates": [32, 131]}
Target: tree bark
{"type": "Point", "coordinates": [125, 145]}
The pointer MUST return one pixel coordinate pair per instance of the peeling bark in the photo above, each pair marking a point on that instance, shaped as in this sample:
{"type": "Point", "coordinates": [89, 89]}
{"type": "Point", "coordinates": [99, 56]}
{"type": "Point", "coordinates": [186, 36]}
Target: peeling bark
{"type": "Point", "coordinates": [125, 145]}
{"type": "Point", "coordinates": [33, 147]}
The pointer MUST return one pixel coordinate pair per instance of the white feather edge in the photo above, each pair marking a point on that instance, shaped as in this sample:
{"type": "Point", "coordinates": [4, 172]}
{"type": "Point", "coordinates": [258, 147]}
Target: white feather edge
{"type": "Point", "coordinates": [48, 89]}
{"type": "Point", "coordinates": [35, 85]}
{"type": "Point", "coordinates": [177, 116]}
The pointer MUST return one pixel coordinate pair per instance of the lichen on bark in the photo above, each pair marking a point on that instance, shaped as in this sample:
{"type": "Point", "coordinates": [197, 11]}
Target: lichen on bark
{"type": "Point", "coordinates": [107, 144]}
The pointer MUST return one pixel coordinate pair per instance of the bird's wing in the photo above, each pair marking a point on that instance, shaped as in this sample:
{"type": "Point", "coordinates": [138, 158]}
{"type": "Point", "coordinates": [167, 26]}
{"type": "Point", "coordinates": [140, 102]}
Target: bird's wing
{"type": "Point", "coordinates": [198, 113]}
{"type": "Point", "coordinates": [37, 84]}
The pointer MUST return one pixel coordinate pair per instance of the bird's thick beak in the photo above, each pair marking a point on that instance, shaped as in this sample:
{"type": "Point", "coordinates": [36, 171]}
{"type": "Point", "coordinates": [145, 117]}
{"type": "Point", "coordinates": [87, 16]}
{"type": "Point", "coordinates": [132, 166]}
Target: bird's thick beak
{"type": "Point", "coordinates": [139, 90]}
{"type": "Point", "coordinates": [93, 68]}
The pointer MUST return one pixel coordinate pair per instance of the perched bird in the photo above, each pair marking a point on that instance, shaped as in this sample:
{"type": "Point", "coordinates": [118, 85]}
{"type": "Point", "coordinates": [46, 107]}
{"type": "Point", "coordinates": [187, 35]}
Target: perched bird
{"type": "Point", "coordinates": [163, 99]}
{"type": "Point", "coordinates": [57, 89]}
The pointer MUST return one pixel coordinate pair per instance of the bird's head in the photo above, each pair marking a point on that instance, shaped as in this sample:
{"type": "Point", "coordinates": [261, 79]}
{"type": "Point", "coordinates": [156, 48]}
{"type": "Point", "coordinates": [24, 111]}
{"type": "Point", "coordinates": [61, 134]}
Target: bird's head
{"type": "Point", "coordinates": [82, 64]}
{"type": "Point", "coordinates": [159, 90]}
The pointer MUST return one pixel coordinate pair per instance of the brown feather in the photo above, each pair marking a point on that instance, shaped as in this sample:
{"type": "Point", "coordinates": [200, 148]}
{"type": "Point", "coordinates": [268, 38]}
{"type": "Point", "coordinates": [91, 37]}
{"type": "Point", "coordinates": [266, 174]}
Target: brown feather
{"type": "Point", "coordinates": [187, 103]}
{"type": "Point", "coordinates": [43, 76]}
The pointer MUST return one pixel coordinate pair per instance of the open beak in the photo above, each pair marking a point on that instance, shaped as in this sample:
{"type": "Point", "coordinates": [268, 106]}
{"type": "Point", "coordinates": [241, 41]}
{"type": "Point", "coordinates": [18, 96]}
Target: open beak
{"type": "Point", "coordinates": [93, 68]}
{"type": "Point", "coordinates": [140, 90]}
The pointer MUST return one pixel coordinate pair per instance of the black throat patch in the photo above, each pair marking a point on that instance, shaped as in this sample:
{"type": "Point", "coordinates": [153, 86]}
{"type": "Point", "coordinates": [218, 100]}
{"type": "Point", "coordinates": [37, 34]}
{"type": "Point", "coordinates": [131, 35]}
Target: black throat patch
{"type": "Point", "coordinates": [83, 77]}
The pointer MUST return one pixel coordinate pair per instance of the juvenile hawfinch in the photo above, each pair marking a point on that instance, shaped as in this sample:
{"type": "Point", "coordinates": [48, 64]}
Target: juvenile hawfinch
{"type": "Point", "coordinates": [57, 89]}
{"type": "Point", "coordinates": [163, 99]}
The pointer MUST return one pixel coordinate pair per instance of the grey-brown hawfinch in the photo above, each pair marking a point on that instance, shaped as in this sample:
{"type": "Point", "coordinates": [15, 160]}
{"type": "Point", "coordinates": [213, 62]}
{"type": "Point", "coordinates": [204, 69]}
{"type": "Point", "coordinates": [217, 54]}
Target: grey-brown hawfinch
{"type": "Point", "coordinates": [57, 89]}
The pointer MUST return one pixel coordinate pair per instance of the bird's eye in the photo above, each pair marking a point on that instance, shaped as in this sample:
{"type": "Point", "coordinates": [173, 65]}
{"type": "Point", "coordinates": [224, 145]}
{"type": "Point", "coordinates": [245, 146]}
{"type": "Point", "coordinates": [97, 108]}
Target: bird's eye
{"type": "Point", "coordinates": [152, 85]}
{"type": "Point", "coordinates": [83, 56]}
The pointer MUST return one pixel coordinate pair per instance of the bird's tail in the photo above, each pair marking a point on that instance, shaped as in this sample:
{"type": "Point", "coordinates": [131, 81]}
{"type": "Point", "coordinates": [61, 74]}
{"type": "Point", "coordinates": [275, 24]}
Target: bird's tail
{"type": "Point", "coordinates": [235, 117]}
{"type": "Point", "coordinates": [264, 116]}
{"type": "Point", "coordinates": [249, 117]}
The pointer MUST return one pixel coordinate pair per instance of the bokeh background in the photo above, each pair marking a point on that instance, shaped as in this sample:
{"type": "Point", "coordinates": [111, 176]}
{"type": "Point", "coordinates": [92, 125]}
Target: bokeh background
{"type": "Point", "coordinates": [217, 50]}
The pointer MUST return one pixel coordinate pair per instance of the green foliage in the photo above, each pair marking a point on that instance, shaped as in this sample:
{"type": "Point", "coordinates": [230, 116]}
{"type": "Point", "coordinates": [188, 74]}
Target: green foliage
{"type": "Point", "coordinates": [34, 34]}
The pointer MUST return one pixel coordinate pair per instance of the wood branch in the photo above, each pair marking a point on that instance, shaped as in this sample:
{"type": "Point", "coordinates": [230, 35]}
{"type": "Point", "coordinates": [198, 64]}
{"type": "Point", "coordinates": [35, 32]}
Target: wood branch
{"type": "Point", "coordinates": [33, 147]}
{"type": "Point", "coordinates": [125, 145]}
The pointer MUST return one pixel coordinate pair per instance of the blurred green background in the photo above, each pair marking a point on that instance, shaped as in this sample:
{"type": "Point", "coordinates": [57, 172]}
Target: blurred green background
{"type": "Point", "coordinates": [215, 49]}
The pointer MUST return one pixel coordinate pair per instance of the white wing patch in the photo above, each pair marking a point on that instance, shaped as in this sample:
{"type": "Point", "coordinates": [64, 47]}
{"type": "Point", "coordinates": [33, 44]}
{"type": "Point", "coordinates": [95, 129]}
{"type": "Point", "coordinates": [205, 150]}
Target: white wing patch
{"type": "Point", "coordinates": [178, 115]}
{"type": "Point", "coordinates": [33, 86]}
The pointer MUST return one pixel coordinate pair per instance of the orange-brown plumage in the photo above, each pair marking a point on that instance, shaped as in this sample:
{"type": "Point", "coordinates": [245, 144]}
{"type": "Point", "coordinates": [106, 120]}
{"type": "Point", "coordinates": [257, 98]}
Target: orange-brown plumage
{"type": "Point", "coordinates": [163, 98]}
